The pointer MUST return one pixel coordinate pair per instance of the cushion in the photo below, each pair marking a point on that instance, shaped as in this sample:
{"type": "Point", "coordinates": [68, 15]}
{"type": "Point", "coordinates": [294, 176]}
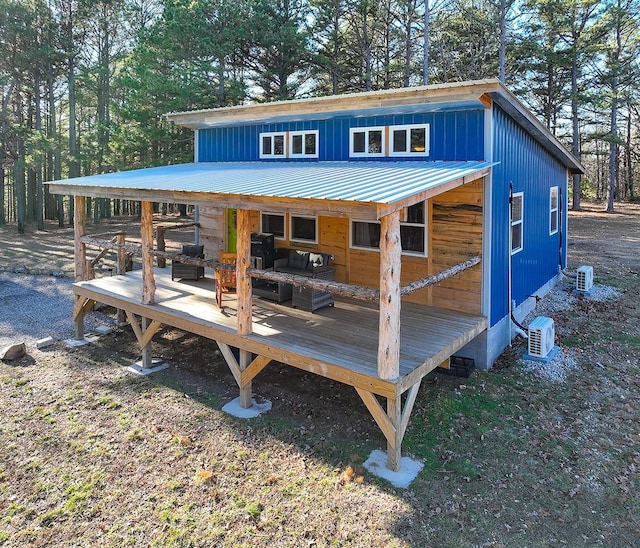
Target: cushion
{"type": "Point", "coordinates": [193, 250]}
{"type": "Point", "coordinates": [298, 259]}
{"type": "Point", "coordinates": [317, 259]}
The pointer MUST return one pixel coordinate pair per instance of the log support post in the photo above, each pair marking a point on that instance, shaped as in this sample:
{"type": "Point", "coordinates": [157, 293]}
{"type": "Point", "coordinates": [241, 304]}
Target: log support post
{"type": "Point", "coordinates": [147, 356]}
{"type": "Point", "coordinates": [389, 320]}
{"type": "Point", "coordinates": [389, 328]}
{"type": "Point", "coordinates": [146, 233]}
{"type": "Point", "coordinates": [80, 230]}
{"type": "Point", "coordinates": [243, 291]}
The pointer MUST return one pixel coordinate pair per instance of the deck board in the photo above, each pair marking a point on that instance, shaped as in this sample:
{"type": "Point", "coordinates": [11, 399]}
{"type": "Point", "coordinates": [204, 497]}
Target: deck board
{"type": "Point", "coordinates": [339, 342]}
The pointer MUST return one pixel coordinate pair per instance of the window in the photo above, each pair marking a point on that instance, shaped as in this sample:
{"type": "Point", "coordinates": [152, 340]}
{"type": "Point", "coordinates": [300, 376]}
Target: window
{"type": "Point", "coordinates": [272, 145]}
{"type": "Point", "coordinates": [366, 141]}
{"type": "Point", "coordinates": [553, 210]}
{"type": "Point", "coordinates": [303, 144]}
{"type": "Point", "coordinates": [413, 232]}
{"type": "Point", "coordinates": [273, 223]}
{"type": "Point", "coordinates": [410, 140]}
{"type": "Point", "coordinates": [517, 214]}
{"type": "Point", "coordinates": [304, 229]}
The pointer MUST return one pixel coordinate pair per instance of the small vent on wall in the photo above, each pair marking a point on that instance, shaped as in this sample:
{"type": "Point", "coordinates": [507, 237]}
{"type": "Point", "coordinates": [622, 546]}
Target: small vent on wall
{"type": "Point", "coordinates": [542, 336]}
{"type": "Point", "coordinates": [584, 279]}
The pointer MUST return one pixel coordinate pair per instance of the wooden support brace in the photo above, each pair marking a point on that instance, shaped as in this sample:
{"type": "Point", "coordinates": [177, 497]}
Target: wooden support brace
{"type": "Point", "coordinates": [82, 306]}
{"type": "Point", "coordinates": [80, 309]}
{"type": "Point", "coordinates": [393, 422]}
{"type": "Point", "coordinates": [243, 377]}
{"type": "Point", "coordinates": [144, 333]}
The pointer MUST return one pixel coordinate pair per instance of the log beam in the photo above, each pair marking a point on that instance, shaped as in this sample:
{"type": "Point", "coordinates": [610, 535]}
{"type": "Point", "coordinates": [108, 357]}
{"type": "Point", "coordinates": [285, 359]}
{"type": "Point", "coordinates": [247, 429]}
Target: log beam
{"type": "Point", "coordinates": [440, 276]}
{"type": "Point", "coordinates": [105, 244]}
{"type": "Point", "coordinates": [337, 288]}
{"type": "Point", "coordinates": [146, 233]}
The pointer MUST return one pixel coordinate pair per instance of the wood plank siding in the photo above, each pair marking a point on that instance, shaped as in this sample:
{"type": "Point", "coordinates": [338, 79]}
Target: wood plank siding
{"type": "Point", "coordinates": [456, 235]}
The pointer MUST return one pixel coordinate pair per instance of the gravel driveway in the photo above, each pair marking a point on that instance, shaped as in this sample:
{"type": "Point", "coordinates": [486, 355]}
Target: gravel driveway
{"type": "Point", "coordinates": [35, 307]}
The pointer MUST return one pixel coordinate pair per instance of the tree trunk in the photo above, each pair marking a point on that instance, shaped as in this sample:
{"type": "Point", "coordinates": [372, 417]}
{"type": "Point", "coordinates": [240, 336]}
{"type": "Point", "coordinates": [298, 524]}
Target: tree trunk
{"type": "Point", "coordinates": [629, 161]}
{"type": "Point", "coordinates": [53, 132]}
{"type": "Point", "coordinates": [575, 122]}
{"type": "Point", "coordinates": [502, 53]}
{"type": "Point", "coordinates": [426, 44]}
{"type": "Point", "coordinates": [38, 164]}
{"type": "Point", "coordinates": [613, 146]}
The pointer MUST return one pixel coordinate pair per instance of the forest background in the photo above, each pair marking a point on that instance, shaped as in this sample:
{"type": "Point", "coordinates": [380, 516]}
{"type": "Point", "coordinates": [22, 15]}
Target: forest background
{"type": "Point", "coordinates": [84, 84]}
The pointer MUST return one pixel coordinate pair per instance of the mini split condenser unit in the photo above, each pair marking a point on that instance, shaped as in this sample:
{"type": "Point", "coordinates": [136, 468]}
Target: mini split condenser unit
{"type": "Point", "coordinates": [542, 334]}
{"type": "Point", "coordinates": [584, 279]}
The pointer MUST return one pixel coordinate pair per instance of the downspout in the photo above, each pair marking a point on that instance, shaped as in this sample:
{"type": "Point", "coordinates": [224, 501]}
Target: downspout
{"type": "Point", "coordinates": [564, 271]}
{"type": "Point", "coordinates": [560, 228]}
{"type": "Point", "coordinates": [519, 329]}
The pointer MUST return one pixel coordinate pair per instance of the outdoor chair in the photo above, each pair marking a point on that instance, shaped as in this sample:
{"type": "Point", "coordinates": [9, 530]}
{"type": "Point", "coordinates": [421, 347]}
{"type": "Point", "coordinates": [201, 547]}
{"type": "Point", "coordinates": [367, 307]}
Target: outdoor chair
{"type": "Point", "coordinates": [188, 271]}
{"type": "Point", "coordinates": [225, 277]}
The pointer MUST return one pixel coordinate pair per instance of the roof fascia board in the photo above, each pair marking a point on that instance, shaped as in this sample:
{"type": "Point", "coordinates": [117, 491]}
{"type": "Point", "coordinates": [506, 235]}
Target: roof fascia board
{"type": "Point", "coordinates": [464, 103]}
{"type": "Point", "coordinates": [299, 206]}
{"type": "Point", "coordinates": [439, 93]}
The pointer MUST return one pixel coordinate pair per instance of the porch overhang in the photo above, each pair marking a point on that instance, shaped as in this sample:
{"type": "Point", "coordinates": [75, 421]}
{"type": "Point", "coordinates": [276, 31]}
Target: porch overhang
{"type": "Point", "coordinates": [364, 190]}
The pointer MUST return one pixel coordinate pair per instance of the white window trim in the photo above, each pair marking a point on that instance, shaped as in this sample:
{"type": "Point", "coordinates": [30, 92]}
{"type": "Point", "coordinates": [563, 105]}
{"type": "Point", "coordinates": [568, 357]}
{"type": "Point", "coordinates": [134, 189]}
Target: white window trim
{"type": "Point", "coordinates": [303, 133]}
{"type": "Point", "coordinates": [284, 217]}
{"type": "Point", "coordinates": [518, 222]}
{"type": "Point", "coordinates": [272, 135]}
{"type": "Point", "coordinates": [407, 129]}
{"type": "Point", "coordinates": [292, 238]}
{"type": "Point", "coordinates": [553, 211]}
{"type": "Point", "coordinates": [366, 130]}
{"type": "Point", "coordinates": [377, 249]}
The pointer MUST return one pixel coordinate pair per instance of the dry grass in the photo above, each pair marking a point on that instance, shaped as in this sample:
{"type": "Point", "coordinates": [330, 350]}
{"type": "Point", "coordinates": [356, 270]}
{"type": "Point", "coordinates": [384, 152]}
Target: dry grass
{"type": "Point", "coordinates": [93, 456]}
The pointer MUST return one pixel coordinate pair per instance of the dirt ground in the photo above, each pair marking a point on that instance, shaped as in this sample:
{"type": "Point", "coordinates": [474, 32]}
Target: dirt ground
{"type": "Point", "coordinates": [91, 455]}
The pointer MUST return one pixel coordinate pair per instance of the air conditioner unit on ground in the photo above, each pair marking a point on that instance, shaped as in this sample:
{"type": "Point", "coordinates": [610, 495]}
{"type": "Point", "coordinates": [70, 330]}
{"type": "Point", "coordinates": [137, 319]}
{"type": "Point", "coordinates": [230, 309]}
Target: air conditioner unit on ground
{"type": "Point", "coordinates": [584, 279]}
{"type": "Point", "coordinates": [542, 334]}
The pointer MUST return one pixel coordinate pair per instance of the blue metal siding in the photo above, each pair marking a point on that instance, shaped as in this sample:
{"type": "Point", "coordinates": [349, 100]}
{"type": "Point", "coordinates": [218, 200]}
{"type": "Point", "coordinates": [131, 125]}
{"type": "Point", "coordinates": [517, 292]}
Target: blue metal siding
{"type": "Point", "coordinates": [533, 171]}
{"type": "Point", "coordinates": [455, 136]}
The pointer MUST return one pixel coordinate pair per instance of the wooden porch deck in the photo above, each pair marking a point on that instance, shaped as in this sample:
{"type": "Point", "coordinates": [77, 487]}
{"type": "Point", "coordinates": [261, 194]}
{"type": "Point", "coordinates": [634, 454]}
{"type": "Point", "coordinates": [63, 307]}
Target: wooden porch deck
{"type": "Point", "coordinates": [339, 342]}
